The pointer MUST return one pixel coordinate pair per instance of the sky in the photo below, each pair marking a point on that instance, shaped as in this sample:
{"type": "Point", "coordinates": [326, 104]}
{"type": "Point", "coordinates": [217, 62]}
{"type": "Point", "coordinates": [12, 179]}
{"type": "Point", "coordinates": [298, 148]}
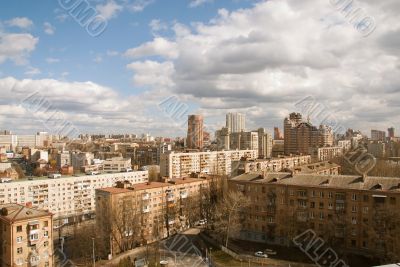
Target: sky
{"type": "Point", "coordinates": [118, 69]}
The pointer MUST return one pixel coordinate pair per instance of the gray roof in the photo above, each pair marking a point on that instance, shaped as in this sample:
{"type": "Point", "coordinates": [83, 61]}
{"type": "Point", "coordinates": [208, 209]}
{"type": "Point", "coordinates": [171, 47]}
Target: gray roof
{"type": "Point", "coordinates": [17, 212]}
{"type": "Point", "coordinates": [331, 181]}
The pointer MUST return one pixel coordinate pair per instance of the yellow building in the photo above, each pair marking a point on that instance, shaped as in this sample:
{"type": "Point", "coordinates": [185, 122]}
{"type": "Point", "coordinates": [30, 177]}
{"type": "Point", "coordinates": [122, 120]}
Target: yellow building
{"type": "Point", "coordinates": [359, 214]}
{"type": "Point", "coordinates": [26, 236]}
{"type": "Point", "coordinates": [130, 215]}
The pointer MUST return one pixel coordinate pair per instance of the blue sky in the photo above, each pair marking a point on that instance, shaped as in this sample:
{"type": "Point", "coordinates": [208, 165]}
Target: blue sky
{"type": "Point", "coordinates": [70, 53]}
{"type": "Point", "coordinates": [215, 56]}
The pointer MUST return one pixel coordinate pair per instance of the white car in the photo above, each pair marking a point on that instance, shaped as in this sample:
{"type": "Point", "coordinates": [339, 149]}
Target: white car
{"type": "Point", "coordinates": [260, 254]}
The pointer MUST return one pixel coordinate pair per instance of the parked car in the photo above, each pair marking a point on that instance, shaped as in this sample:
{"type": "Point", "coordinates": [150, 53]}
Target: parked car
{"type": "Point", "coordinates": [260, 254]}
{"type": "Point", "coordinates": [201, 222]}
{"type": "Point", "coordinates": [270, 252]}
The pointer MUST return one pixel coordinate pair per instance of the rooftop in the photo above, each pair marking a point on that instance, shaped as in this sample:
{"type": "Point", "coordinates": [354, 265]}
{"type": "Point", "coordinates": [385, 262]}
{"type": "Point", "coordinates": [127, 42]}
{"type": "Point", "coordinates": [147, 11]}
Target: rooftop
{"type": "Point", "coordinates": [17, 212]}
{"type": "Point", "coordinates": [316, 180]}
{"type": "Point", "coordinates": [311, 168]}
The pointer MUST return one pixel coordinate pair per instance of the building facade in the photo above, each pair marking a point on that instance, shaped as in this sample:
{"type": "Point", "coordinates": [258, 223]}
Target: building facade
{"type": "Point", "coordinates": [377, 135]}
{"type": "Point", "coordinates": [346, 210]}
{"type": "Point", "coordinates": [270, 165]}
{"type": "Point", "coordinates": [26, 235]}
{"type": "Point", "coordinates": [130, 215]}
{"type": "Point", "coordinates": [195, 137]}
{"type": "Point", "coordinates": [236, 122]}
{"type": "Point", "coordinates": [68, 198]}
{"type": "Point", "coordinates": [325, 153]}
{"type": "Point", "coordinates": [177, 165]}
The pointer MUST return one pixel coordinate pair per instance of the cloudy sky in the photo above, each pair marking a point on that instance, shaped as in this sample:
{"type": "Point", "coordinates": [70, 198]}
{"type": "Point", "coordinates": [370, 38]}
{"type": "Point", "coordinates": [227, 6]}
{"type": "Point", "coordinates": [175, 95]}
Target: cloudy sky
{"type": "Point", "coordinates": [214, 56]}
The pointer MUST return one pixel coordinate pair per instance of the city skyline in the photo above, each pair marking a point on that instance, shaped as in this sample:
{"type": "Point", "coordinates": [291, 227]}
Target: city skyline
{"type": "Point", "coordinates": [103, 85]}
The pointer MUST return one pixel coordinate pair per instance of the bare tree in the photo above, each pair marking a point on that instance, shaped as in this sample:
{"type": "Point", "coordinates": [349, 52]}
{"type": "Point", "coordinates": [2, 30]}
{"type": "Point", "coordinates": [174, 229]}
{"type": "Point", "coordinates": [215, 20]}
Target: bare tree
{"type": "Point", "coordinates": [228, 214]}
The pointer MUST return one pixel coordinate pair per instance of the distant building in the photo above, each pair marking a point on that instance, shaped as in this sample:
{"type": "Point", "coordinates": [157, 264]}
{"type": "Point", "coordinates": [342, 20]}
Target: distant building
{"type": "Point", "coordinates": [178, 165]}
{"type": "Point", "coordinates": [325, 153]}
{"type": "Point", "coordinates": [377, 149]}
{"type": "Point", "coordinates": [26, 235]}
{"type": "Point", "coordinates": [245, 165]}
{"type": "Point", "coordinates": [223, 138]}
{"type": "Point", "coordinates": [236, 122]}
{"type": "Point", "coordinates": [391, 132]}
{"type": "Point", "coordinates": [117, 164]}
{"type": "Point", "coordinates": [63, 158]}
{"type": "Point", "coordinates": [377, 135]}
{"type": "Point", "coordinates": [243, 140]}
{"type": "Point", "coordinates": [264, 144]}
{"type": "Point", "coordinates": [300, 136]}
{"type": "Point", "coordinates": [277, 134]}
{"type": "Point", "coordinates": [345, 144]}
{"type": "Point", "coordinates": [195, 136]}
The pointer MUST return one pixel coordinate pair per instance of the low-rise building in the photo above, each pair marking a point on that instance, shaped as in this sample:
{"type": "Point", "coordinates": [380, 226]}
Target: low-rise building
{"type": "Point", "coordinates": [177, 165]}
{"type": "Point", "coordinates": [352, 212]}
{"type": "Point", "coordinates": [245, 165]}
{"type": "Point", "coordinates": [26, 235]}
{"type": "Point", "coordinates": [326, 167]}
{"type": "Point", "coordinates": [117, 164]}
{"type": "Point", "coordinates": [130, 215]}
{"type": "Point", "coordinates": [325, 153]}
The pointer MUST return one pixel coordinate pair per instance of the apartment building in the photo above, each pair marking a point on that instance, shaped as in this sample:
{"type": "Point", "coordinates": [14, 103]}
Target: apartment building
{"type": "Point", "coordinates": [323, 168]}
{"type": "Point", "coordinates": [244, 140]}
{"type": "Point", "coordinates": [130, 215]}
{"type": "Point", "coordinates": [236, 122]}
{"type": "Point", "coordinates": [117, 164]}
{"type": "Point", "coordinates": [377, 135]}
{"type": "Point", "coordinates": [68, 197]}
{"type": "Point", "coordinates": [264, 143]}
{"type": "Point", "coordinates": [195, 132]}
{"type": "Point", "coordinates": [301, 135]}
{"type": "Point", "coordinates": [177, 165]}
{"type": "Point", "coordinates": [325, 153]}
{"type": "Point", "coordinates": [346, 210]}
{"type": "Point", "coordinates": [345, 144]}
{"type": "Point", "coordinates": [377, 148]}
{"type": "Point", "coordinates": [26, 235]}
{"type": "Point", "coordinates": [223, 138]}
{"type": "Point", "coordinates": [271, 165]}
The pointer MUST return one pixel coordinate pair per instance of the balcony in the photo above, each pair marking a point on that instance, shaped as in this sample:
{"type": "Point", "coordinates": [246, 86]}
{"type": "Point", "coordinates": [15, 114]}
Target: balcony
{"type": "Point", "coordinates": [146, 209]}
{"type": "Point", "coordinates": [170, 197]}
{"type": "Point", "coordinates": [184, 194]}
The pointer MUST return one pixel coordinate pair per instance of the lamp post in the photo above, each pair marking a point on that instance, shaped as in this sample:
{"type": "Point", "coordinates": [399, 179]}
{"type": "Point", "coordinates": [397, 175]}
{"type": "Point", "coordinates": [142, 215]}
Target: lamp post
{"type": "Point", "coordinates": [94, 257]}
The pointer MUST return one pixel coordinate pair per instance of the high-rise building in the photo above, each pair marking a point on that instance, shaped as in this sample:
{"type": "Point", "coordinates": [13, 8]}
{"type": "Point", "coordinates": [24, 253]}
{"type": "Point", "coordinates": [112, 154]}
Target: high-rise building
{"type": "Point", "coordinates": [244, 140]}
{"type": "Point", "coordinates": [26, 235]}
{"type": "Point", "coordinates": [277, 134]}
{"type": "Point", "coordinates": [195, 134]}
{"type": "Point", "coordinates": [222, 137]}
{"type": "Point", "coordinates": [264, 144]}
{"type": "Point", "coordinates": [236, 122]}
{"type": "Point", "coordinates": [377, 135]}
{"type": "Point", "coordinates": [391, 132]}
{"type": "Point", "coordinates": [300, 136]}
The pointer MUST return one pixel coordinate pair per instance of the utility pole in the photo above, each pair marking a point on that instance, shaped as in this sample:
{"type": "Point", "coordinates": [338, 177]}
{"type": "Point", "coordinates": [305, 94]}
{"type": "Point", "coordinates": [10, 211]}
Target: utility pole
{"type": "Point", "coordinates": [94, 257]}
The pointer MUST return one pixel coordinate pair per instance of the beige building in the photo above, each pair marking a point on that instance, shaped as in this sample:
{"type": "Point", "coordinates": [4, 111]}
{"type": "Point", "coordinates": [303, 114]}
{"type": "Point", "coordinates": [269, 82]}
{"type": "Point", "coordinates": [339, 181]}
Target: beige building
{"type": "Point", "coordinates": [346, 210]}
{"type": "Point", "coordinates": [130, 215]}
{"type": "Point", "coordinates": [177, 165]}
{"type": "Point", "coordinates": [117, 164]}
{"type": "Point", "coordinates": [271, 165]}
{"type": "Point", "coordinates": [69, 197]}
{"type": "Point", "coordinates": [26, 236]}
{"type": "Point", "coordinates": [243, 140]}
{"type": "Point", "coordinates": [325, 153]}
{"type": "Point", "coordinates": [326, 168]}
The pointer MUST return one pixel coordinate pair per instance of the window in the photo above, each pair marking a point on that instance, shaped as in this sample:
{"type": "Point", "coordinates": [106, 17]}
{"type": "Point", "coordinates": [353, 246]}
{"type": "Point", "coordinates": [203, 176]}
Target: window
{"type": "Point", "coordinates": [311, 214]}
{"type": "Point", "coordinates": [313, 193]}
{"type": "Point", "coordinates": [312, 205]}
{"type": "Point", "coordinates": [354, 197]}
{"type": "Point", "coordinates": [321, 194]}
{"type": "Point", "coordinates": [353, 220]}
{"type": "Point", "coordinates": [365, 198]}
{"type": "Point", "coordinates": [19, 239]}
{"type": "Point", "coordinates": [330, 205]}
{"type": "Point", "coordinates": [365, 210]}
{"type": "Point", "coordinates": [19, 250]}
{"type": "Point", "coordinates": [321, 205]}
{"type": "Point", "coordinates": [354, 209]}
{"type": "Point", "coordinates": [46, 233]}
{"type": "Point", "coordinates": [46, 243]}
{"type": "Point", "coordinates": [46, 223]}
{"type": "Point", "coordinates": [19, 229]}
{"type": "Point", "coordinates": [34, 237]}
{"type": "Point", "coordinates": [330, 195]}
{"type": "Point", "coordinates": [321, 215]}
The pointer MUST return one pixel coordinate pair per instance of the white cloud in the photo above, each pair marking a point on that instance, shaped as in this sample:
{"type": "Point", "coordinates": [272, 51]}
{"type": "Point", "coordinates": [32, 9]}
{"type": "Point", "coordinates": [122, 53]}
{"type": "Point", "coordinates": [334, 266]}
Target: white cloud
{"type": "Point", "coordinates": [157, 25]}
{"type": "Point", "coordinates": [16, 47]}
{"type": "Point", "coordinates": [140, 5]}
{"type": "Point", "coordinates": [52, 60]}
{"type": "Point", "coordinates": [21, 22]}
{"type": "Point", "coordinates": [109, 10]}
{"type": "Point", "coordinates": [158, 47]}
{"type": "Point", "coordinates": [268, 57]}
{"type": "Point", "coordinates": [48, 28]}
{"type": "Point", "coordinates": [196, 3]}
